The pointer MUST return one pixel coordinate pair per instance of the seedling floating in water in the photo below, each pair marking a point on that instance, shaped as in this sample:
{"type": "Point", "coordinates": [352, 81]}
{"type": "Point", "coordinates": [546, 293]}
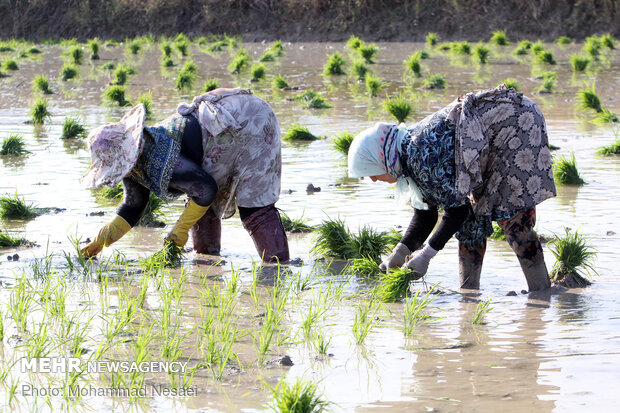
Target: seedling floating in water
{"type": "Point", "coordinates": [499, 38]}
{"type": "Point", "coordinates": [373, 84]}
{"type": "Point", "coordinates": [72, 128]}
{"type": "Point", "coordinates": [342, 142]}
{"type": "Point", "coordinates": [482, 53]}
{"type": "Point", "coordinates": [367, 52]}
{"type": "Point", "coordinates": [14, 207]}
{"type": "Point", "coordinates": [302, 396]}
{"type": "Point", "coordinates": [68, 72]}
{"type": "Point", "coordinates": [511, 83]}
{"type": "Point", "coordinates": [412, 64]}
{"type": "Point", "coordinates": [211, 84]}
{"type": "Point", "coordinates": [435, 82]}
{"type": "Point", "coordinates": [312, 100]}
{"type": "Point", "coordinates": [240, 62]}
{"type": "Point", "coordinates": [94, 48]}
{"type": "Point", "coordinates": [13, 145]}
{"type": "Point", "coordinates": [116, 94]}
{"type": "Point", "coordinates": [579, 63]}
{"type": "Point", "coordinates": [574, 260]}
{"type": "Point", "coordinates": [565, 171]}
{"type": "Point", "coordinates": [39, 112]}
{"type": "Point", "coordinates": [481, 310]}
{"type": "Point", "coordinates": [360, 70]}
{"type": "Point", "coordinates": [365, 267]}
{"type": "Point", "coordinates": [432, 39]}
{"type": "Point", "coordinates": [42, 84]}
{"type": "Point", "coordinates": [354, 42]}
{"type": "Point", "coordinates": [588, 99]}
{"type": "Point", "coordinates": [399, 107]}
{"type": "Point", "coordinates": [299, 133]}
{"type": "Point", "coordinates": [7, 240]}
{"type": "Point", "coordinates": [147, 100]}
{"type": "Point", "coordinates": [334, 65]}
{"type": "Point", "coordinates": [279, 82]}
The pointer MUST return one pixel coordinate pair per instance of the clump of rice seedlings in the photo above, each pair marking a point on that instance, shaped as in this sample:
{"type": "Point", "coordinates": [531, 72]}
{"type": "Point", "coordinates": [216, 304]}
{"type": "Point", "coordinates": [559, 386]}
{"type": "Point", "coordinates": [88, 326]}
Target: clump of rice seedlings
{"type": "Point", "coordinates": [481, 52]}
{"type": "Point", "coordinates": [182, 45]}
{"type": "Point", "coordinates": [258, 72]}
{"type": "Point", "coordinates": [121, 74]}
{"type": "Point", "coordinates": [147, 100]}
{"type": "Point", "coordinates": [511, 83]}
{"type": "Point", "coordinates": [412, 63]}
{"type": "Point", "coordinates": [545, 56]}
{"type": "Point", "coordinates": [170, 256]}
{"type": "Point", "coordinates": [217, 46]}
{"type": "Point", "coordinates": [166, 49]}
{"type": "Point", "coordinates": [333, 239]}
{"type": "Point", "coordinates": [240, 62]}
{"type": "Point", "coordinates": [369, 243]}
{"type": "Point", "coordinates": [399, 107]}
{"type": "Point", "coordinates": [116, 94]}
{"type": "Point", "coordinates": [93, 44]}
{"type": "Point", "coordinates": [14, 207]}
{"type": "Point", "coordinates": [108, 66]}
{"type": "Point", "coordinates": [167, 62]}
{"type": "Point", "coordinates": [360, 70]}
{"type": "Point", "coordinates": [42, 84]}
{"type": "Point", "coordinates": [613, 149]}
{"type": "Point", "coordinates": [302, 396]}
{"type": "Point", "coordinates": [299, 133]}
{"type": "Point", "coordinates": [373, 84]}
{"type": "Point", "coordinates": [134, 46]}
{"type": "Point", "coordinates": [342, 142]}
{"type": "Point", "coordinates": [354, 42]}
{"type": "Point", "coordinates": [392, 238]}
{"type": "Point", "coordinates": [185, 80]}
{"type": "Point", "coordinates": [549, 79]}
{"type": "Point", "coordinates": [211, 84]}
{"type": "Point", "coordinates": [608, 41]}
{"type": "Point", "coordinates": [39, 111]}
{"type": "Point", "coordinates": [432, 39]}
{"type": "Point", "coordinates": [10, 64]}
{"type": "Point", "coordinates": [394, 284]}
{"type": "Point", "coordinates": [7, 240]}
{"type": "Point", "coordinates": [463, 48]}
{"type": "Point", "coordinates": [5, 47]}
{"type": "Point", "coordinates": [13, 145]}
{"type": "Point", "coordinates": [335, 65]}
{"type": "Point", "coordinates": [565, 171]}
{"type": "Point", "coordinates": [415, 311]}
{"type": "Point", "coordinates": [312, 100]}
{"type": "Point", "coordinates": [537, 47]}
{"type": "Point", "coordinates": [434, 81]}
{"type": "Point", "coordinates": [563, 40]}
{"type": "Point", "coordinates": [68, 72]}
{"type": "Point", "coordinates": [295, 225]}
{"type": "Point", "coordinates": [365, 267]}
{"type": "Point", "coordinates": [368, 52]}
{"type": "Point", "coordinates": [73, 128]}
{"type": "Point", "coordinates": [267, 56]}
{"type": "Point", "coordinates": [579, 63]}
{"type": "Point", "coordinates": [76, 53]}
{"type": "Point", "coordinates": [499, 38]}
{"type": "Point", "coordinates": [592, 47]}
{"type": "Point", "coordinates": [277, 48]}
{"type": "Point", "coordinates": [588, 99]}
{"type": "Point", "coordinates": [2, 74]}
{"type": "Point", "coordinates": [111, 192]}
{"type": "Point", "coordinates": [573, 260]}
{"type": "Point", "coordinates": [498, 232]}
{"type": "Point", "coordinates": [152, 212]}
{"type": "Point", "coordinates": [278, 82]}
{"type": "Point", "coordinates": [481, 310]}
{"type": "Point", "coordinates": [607, 116]}
{"type": "Point", "coordinates": [190, 67]}
{"type": "Point", "coordinates": [523, 47]}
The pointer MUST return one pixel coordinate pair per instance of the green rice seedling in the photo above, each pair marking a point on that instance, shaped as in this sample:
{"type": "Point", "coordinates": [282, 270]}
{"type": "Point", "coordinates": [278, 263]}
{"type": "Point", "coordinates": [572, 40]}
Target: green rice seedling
{"type": "Point", "coordinates": [20, 302]}
{"type": "Point", "coordinates": [549, 79]}
{"type": "Point", "coordinates": [335, 65]}
{"type": "Point", "coordinates": [5, 47]}
{"type": "Point", "coordinates": [10, 64]}
{"type": "Point", "coordinates": [278, 82]}
{"type": "Point", "coordinates": [312, 100]}
{"type": "Point", "coordinates": [579, 63]}
{"type": "Point", "coordinates": [368, 52]}
{"type": "Point", "coordinates": [499, 38]}
{"type": "Point", "coordinates": [511, 83]}
{"type": "Point", "coordinates": [365, 267]}
{"type": "Point", "coordinates": [182, 46]}
{"type": "Point", "coordinates": [613, 149]}
{"type": "Point", "coordinates": [498, 232]}
{"type": "Point", "coordinates": [432, 39]}
{"type": "Point", "coordinates": [342, 141]}
{"type": "Point", "coordinates": [13, 145]}
{"type": "Point", "coordinates": [300, 397]}
{"type": "Point", "coordinates": [1, 329]}
{"type": "Point", "coordinates": [392, 237]}
{"type": "Point", "coordinates": [93, 44]}
{"type": "Point", "coordinates": [121, 74]}
{"type": "Point", "coordinates": [523, 47]}
{"type": "Point", "coordinates": [134, 46]}
{"type": "Point", "coordinates": [217, 46]}
{"type": "Point", "coordinates": [369, 243]}
{"type": "Point", "coordinates": [608, 41]}
{"type": "Point", "coordinates": [39, 111]}
{"type": "Point", "coordinates": [373, 84]}
{"type": "Point", "coordinates": [42, 84]}
{"type": "Point", "coordinates": [354, 42]}
{"type": "Point", "coordinates": [295, 225]}
{"type": "Point", "coordinates": [607, 116]}
{"type": "Point", "coordinates": [108, 66]}
{"type": "Point", "coordinates": [68, 72]}
{"type": "Point", "coordinates": [116, 94]}
{"type": "Point", "coordinates": [333, 239]}
{"type": "Point", "coordinates": [277, 48]}
{"type": "Point", "coordinates": [211, 84]}
{"type": "Point", "coordinates": [481, 311]}
{"type": "Point", "coordinates": [316, 310]}
{"type": "Point", "coordinates": [146, 99]}
{"type": "Point", "coordinates": [109, 192]}
{"type": "Point", "coordinates": [166, 49]}
{"type": "Point", "coordinates": [365, 319]}
{"type": "Point", "coordinates": [7, 240]}
{"type": "Point", "coordinates": [321, 342]}
{"type": "Point", "coordinates": [258, 72]}
{"type": "Point", "coordinates": [545, 56]}
{"type": "Point", "coordinates": [434, 81]}
{"type": "Point", "coordinates": [415, 311]}
{"type": "Point", "coordinates": [574, 258]}
{"type": "Point", "coordinates": [39, 343]}
{"type": "Point", "coordinates": [2, 73]}
{"type": "Point", "coordinates": [588, 99]}
{"type": "Point", "coordinates": [360, 70]}
{"type": "Point", "coordinates": [412, 63]}
{"type": "Point", "coordinates": [240, 62]}
{"type": "Point", "coordinates": [152, 212]}
{"type": "Point", "coordinates": [267, 56]}
{"type": "Point", "coordinates": [565, 171]}
{"type": "Point", "coordinates": [482, 52]}
{"type": "Point", "coordinates": [170, 256]}
{"type": "Point", "coordinates": [72, 128]}
{"type": "Point", "coordinates": [399, 107]}
{"type": "Point", "coordinates": [563, 40]}
{"type": "Point", "coordinates": [167, 62]}
{"type": "Point", "coordinates": [463, 48]}
{"type": "Point", "coordinates": [592, 47]}
{"type": "Point", "coordinates": [299, 133]}
{"type": "Point", "coordinates": [77, 54]}
{"type": "Point", "coordinates": [190, 67]}
{"type": "Point", "coordinates": [537, 47]}
{"type": "Point", "coordinates": [395, 284]}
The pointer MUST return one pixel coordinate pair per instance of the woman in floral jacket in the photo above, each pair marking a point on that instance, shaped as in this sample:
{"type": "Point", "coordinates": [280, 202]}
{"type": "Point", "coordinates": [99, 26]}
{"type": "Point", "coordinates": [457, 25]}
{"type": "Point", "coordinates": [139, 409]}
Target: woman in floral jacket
{"type": "Point", "coordinates": [222, 151]}
{"type": "Point", "coordinates": [483, 158]}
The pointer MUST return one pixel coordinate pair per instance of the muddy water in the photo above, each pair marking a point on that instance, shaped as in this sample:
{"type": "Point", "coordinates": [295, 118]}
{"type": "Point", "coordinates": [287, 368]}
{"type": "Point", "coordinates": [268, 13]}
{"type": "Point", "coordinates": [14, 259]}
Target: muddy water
{"type": "Point", "coordinates": [555, 352]}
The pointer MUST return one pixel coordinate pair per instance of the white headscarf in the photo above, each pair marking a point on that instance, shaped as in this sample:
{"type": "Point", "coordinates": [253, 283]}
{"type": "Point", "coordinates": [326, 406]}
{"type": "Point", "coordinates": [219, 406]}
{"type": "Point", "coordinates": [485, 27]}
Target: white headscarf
{"type": "Point", "coordinates": [375, 151]}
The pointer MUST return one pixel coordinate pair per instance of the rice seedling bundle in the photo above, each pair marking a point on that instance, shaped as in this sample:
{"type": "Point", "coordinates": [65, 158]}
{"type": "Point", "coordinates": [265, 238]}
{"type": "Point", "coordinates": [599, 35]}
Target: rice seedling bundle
{"type": "Point", "coordinates": [412, 63]}
{"type": "Point", "coordinates": [588, 99]}
{"type": "Point", "coordinates": [565, 171]}
{"type": "Point", "coordinates": [573, 260]}
{"type": "Point", "coordinates": [373, 84]}
{"type": "Point", "coordinates": [258, 72]}
{"type": "Point", "coordinates": [432, 39]}
{"type": "Point", "coordinates": [333, 239]}
{"type": "Point", "coordinates": [10, 64]}
{"type": "Point", "coordinates": [7, 240]}
{"type": "Point", "coordinates": [16, 208]}
{"type": "Point", "coordinates": [394, 284]}
{"type": "Point", "coordinates": [499, 38]}
{"type": "Point", "coordinates": [579, 63]}
{"type": "Point", "coordinates": [76, 55]}
{"type": "Point", "coordinates": [368, 52]}
{"type": "Point", "coordinates": [68, 72]}
{"type": "Point", "coordinates": [94, 49]}
{"type": "Point", "coordinates": [545, 56]}
{"type": "Point", "coordinates": [116, 94]}
{"type": "Point", "coordinates": [312, 100]}
{"type": "Point", "coordinates": [563, 40]}
{"type": "Point", "coordinates": [592, 47]}
{"type": "Point", "coordinates": [354, 42]}
{"type": "Point", "coordinates": [110, 192]}
{"type": "Point", "coordinates": [299, 133]}
{"type": "Point", "coordinates": [295, 225]}
{"type": "Point", "coordinates": [147, 100]}
{"type": "Point", "coordinates": [211, 84]}
{"type": "Point", "coordinates": [134, 46]}
{"type": "Point", "coordinates": [277, 48]}
{"type": "Point", "coordinates": [523, 47]}
{"type": "Point", "coordinates": [170, 256]}
{"type": "Point", "coordinates": [240, 62]}
{"type": "Point", "coordinates": [463, 48]}
{"type": "Point", "coordinates": [482, 52]}
{"type": "Point", "coordinates": [182, 45]}
{"type": "Point", "coordinates": [72, 128]}
{"type": "Point", "coordinates": [335, 65]}
{"type": "Point", "coordinates": [166, 49]}
{"type": "Point", "coordinates": [152, 212]}
{"type": "Point", "coordinates": [481, 310]}
{"type": "Point", "coordinates": [279, 82]}
{"type": "Point", "coordinates": [342, 142]}
{"type": "Point", "coordinates": [365, 267]}
{"type": "Point", "coordinates": [434, 81]}
{"type": "Point", "coordinates": [498, 232]}
{"type": "Point", "coordinates": [13, 145]}
{"type": "Point", "coordinates": [613, 149]}
{"type": "Point", "coordinates": [360, 70]}
{"type": "Point", "coordinates": [549, 80]}
{"type": "Point", "coordinates": [399, 107]}
{"type": "Point", "coordinates": [369, 243]}
{"type": "Point", "coordinates": [608, 41]}
{"type": "Point", "coordinates": [39, 112]}
{"type": "Point", "coordinates": [42, 84]}
{"type": "Point", "coordinates": [511, 83]}
{"type": "Point", "coordinates": [301, 397]}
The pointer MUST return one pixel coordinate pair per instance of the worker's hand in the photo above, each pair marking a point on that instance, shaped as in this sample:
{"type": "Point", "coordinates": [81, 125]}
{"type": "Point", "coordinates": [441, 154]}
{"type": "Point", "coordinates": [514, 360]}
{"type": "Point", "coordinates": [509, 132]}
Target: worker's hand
{"type": "Point", "coordinates": [91, 249]}
{"type": "Point", "coordinates": [419, 263]}
{"type": "Point", "coordinates": [108, 234]}
{"type": "Point", "coordinates": [396, 259]}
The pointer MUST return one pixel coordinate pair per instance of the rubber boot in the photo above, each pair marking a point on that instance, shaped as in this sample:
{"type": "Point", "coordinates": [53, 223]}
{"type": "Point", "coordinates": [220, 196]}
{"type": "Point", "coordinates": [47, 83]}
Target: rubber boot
{"type": "Point", "coordinates": [470, 265]}
{"type": "Point", "coordinates": [207, 234]}
{"type": "Point", "coordinates": [265, 228]}
{"type": "Point", "coordinates": [523, 240]}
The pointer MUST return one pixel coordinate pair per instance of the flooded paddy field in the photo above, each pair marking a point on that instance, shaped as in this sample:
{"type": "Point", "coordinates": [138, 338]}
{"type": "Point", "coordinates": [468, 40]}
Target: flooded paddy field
{"type": "Point", "coordinates": [239, 329]}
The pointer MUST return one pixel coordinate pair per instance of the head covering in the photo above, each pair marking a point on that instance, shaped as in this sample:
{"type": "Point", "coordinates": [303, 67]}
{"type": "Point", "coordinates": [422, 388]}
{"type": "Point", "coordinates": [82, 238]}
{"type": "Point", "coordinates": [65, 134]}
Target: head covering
{"type": "Point", "coordinates": [375, 151]}
{"type": "Point", "coordinates": [114, 149]}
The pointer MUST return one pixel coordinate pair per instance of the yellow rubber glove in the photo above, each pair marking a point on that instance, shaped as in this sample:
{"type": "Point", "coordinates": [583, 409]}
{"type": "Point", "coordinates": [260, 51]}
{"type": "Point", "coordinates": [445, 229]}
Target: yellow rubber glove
{"type": "Point", "coordinates": [191, 214]}
{"type": "Point", "coordinates": [108, 234]}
